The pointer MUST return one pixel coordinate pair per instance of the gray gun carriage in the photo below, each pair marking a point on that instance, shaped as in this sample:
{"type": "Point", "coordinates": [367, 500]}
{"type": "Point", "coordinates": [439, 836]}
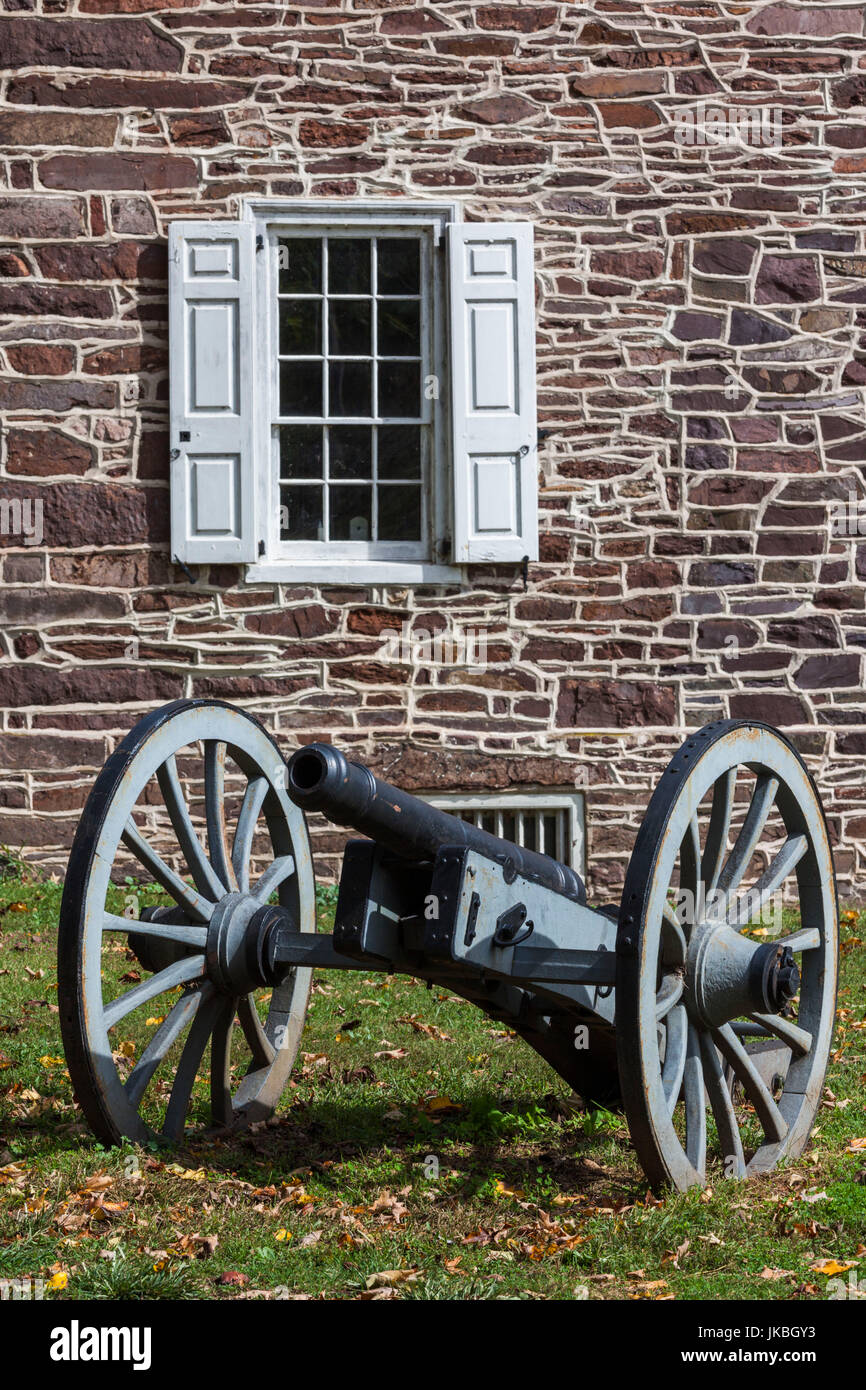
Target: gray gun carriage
{"type": "Point", "coordinates": [711, 1035]}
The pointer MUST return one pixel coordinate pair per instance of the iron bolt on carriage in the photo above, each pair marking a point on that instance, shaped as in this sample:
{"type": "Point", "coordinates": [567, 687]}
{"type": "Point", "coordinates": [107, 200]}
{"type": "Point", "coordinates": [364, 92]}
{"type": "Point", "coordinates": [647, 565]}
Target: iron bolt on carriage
{"type": "Point", "coordinates": [681, 1008]}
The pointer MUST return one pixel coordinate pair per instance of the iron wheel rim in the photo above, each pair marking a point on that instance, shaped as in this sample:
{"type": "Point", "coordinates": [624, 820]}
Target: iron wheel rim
{"type": "Point", "coordinates": [99, 1087]}
{"type": "Point", "coordinates": [701, 763]}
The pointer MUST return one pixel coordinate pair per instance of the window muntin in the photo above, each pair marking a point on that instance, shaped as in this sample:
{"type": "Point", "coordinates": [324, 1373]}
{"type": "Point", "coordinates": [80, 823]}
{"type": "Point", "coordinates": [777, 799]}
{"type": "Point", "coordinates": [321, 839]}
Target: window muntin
{"type": "Point", "coordinates": [352, 419]}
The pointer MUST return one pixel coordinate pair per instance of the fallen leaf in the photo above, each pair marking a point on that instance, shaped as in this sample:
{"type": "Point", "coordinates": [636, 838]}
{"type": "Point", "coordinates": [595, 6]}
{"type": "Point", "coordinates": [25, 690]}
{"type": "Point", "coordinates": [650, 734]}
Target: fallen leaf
{"type": "Point", "coordinates": [187, 1174]}
{"type": "Point", "coordinates": [440, 1105]}
{"type": "Point", "coordinates": [676, 1255]}
{"type": "Point", "coordinates": [392, 1278]}
{"type": "Point", "coordinates": [830, 1267]}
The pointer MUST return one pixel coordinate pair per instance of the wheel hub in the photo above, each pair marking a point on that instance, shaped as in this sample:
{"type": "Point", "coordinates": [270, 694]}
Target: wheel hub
{"type": "Point", "coordinates": [728, 976]}
{"type": "Point", "coordinates": [230, 952]}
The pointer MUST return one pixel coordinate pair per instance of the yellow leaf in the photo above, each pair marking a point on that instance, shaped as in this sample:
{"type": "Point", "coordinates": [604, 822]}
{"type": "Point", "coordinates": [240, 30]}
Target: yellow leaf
{"type": "Point", "coordinates": [856, 1146]}
{"type": "Point", "coordinates": [830, 1267]}
{"type": "Point", "coordinates": [154, 1022]}
{"type": "Point", "coordinates": [441, 1105]}
{"type": "Point", "coordinates": [284, 1235]}
{"type": "Point", "coordinates": [58, 1281]}
{"type": "Point", "coordinates": [51, 1061]}
{"type": "Point", "coordinates": [188, 1174]}
{"type": "Point", "coordinates": [127, 1049]}
{"type": "Point", "coordinates": [504, 1191]}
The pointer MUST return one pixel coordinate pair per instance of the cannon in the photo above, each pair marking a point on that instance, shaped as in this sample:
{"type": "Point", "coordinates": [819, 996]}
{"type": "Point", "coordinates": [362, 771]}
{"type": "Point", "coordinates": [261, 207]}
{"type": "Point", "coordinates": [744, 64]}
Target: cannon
{"type": "Point", "coordinates": [702, 1004]}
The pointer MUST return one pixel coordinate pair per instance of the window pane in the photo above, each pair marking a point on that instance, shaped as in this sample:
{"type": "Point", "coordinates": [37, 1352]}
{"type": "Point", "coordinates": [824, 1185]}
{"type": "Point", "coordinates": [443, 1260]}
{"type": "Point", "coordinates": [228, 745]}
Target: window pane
{"type": "Point", "coordinates": [399, 513]}
{"type": "Point", "coordinates": [301, 451]}
{"type": "Point", "coordinates": [349, 328]}
{"type": "Point", "coordinates": [300, 265]}
{"type": "Point", "coordinates": [351, 388]}
{"type": "Point", "coordinates": [400, 328]}
{"type": "Point", "coordinates": [400, 451]}
{"type": "Point", "coordinates": [400, 389]}
{"type": "Point", "coordinates": [351, 513]}
{"type": "Point", "coordinates": [300, 388]}
{"type": "Point", "coordinates": [399, 265]}
{"type": "Point", "coordinates": [549, 824]}
{"type": "Point", "coordinates": [349, 265]}
{"type": "Point", "coordinates": [301, 514]}
{"type": "Point", "coordinates": [351, 451]}
{"type": "Point", "coordinates": [300, 326]}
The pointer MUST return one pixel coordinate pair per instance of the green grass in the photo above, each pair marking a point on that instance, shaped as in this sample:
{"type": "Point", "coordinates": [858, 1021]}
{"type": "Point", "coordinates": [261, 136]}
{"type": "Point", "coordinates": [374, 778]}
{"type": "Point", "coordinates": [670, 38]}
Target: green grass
{"type": "Point", "coordinates": [509, 1190]}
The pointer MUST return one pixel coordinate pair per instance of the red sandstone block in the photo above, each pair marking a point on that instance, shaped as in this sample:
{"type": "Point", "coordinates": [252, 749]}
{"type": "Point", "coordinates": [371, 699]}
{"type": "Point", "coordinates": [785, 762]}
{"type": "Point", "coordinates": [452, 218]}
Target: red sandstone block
{"type": "Point", "coordinates": [41, 359]}
{"type": "Point", "coordinates": [118, 170]}
{"type": "Point", "coordinates": [124, 44]}
{"type": "Point", "coordinates": [156, 94]}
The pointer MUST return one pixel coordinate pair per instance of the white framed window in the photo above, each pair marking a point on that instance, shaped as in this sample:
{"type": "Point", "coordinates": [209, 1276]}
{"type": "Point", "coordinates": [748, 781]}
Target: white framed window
{"type": "Point", "coordinates": [546, 821]}
{"type": "Point", "coordinates": [352, 391]}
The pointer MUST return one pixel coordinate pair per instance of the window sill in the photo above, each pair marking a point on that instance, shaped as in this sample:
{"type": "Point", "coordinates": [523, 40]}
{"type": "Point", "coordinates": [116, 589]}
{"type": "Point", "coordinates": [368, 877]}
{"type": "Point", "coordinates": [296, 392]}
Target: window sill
{"type": "Point", "coordinates": [342, 572]}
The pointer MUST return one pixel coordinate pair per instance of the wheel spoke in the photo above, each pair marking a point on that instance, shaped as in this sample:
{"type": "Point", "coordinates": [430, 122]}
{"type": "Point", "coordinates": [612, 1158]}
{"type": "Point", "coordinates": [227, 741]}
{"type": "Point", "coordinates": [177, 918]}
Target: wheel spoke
{"type": "Point", "coordinates": [754, 1085]}
{"type": "Point", "coordinates": [675, 1055]}
{"type": "Point", "coordinates": [723, 1110]}
{"type": "Point", "coordinates": [719, 829]}
{"type": "Point", "coordinates": [760, 806]}
{"type": "Point", "coordinates": [179, 973]}
{"type": "Point", "coordinates": [258, 1041]}
{"type": "Point", "coordinates": [214, 801]}
{"type": "Point", "coordinates": [670, 994]}
{"type": "Point", "coordinates": [805, 940]}
{"type": "Point", "coordinates": [220, 1066]}
{"type": "Point", "coordinates": [166, 1034]}
{"type": "Point", "coordinates": [696, 1105]}
{"type": "Point", "coordinates": [752, 903]}
{"type": "Point", "coordinates": [274, 875]}
{"type": "Point", "coordinates": [674, 945]}
{"type": "Point", "coordinates": [690, 872]}
{"type": "Point", "coordinates": [166, 931]}
{"type": "Point", "coordinates": [203, 873]}
{"type": "Point", "coordinates": [192, 902]}
{"type": "Point", "coordinates": [799, 1041]}
{"type": "Point", "coordinates": [190, 1059]}
{"type": "Point", "coordinates": [251, 805]}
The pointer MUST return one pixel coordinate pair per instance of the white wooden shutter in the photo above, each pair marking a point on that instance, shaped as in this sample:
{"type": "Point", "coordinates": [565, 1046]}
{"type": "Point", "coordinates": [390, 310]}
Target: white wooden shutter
{"type": "Point", "coordinates": [211, 306]}
{"type": "Point", "coordinates": [495, 432]}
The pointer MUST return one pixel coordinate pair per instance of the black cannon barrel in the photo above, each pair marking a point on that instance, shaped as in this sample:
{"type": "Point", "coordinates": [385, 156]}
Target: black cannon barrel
{"type": "Point", "coordinates": [322, 779]}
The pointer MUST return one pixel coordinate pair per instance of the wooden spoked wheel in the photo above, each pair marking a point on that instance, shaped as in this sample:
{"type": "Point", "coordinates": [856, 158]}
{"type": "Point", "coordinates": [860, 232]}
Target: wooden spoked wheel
{"type": "Point", "coordinates": [136, 1043]}
{"type": "Point", "coordinates": [720, 1008]}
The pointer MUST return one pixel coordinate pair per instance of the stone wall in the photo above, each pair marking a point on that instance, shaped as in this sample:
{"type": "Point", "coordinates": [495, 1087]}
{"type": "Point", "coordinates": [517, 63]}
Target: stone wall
{"type": "Point", "coordinates": [701, 375]}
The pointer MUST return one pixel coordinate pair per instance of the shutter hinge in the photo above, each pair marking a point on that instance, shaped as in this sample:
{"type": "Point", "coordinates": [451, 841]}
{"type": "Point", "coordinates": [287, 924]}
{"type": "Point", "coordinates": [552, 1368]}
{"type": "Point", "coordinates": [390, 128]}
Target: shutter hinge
{"type": "Point", "coordinates": [543, 435]}
{"type": "Point", "coordinates": [260, 243]}
{"type": "Point", "coordinates": [261, 547]}
{"type": "Point", "coordinates": [525, 572]}
{"type": "Point", "coordinates": [193, 578]}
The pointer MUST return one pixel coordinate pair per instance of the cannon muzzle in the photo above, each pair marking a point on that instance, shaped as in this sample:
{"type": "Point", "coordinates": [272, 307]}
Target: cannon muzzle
{"type": "Point", "coordinates": [322, 779]}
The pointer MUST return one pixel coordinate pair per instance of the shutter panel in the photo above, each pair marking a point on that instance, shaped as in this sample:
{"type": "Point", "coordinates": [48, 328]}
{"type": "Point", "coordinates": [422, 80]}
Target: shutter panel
{"type": "Point", "coordinates": [211, 390]}
{"type": "Point", "coordinates": [495, 433]}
